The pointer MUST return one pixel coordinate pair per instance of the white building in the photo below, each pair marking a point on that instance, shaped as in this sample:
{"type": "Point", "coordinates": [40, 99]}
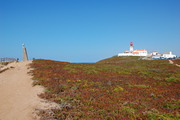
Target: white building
{"type": "Point", "coordinates": [125, 54]}
{"type": "Point", "coordinates": [140, 53]}
{"type": "Point", "coordinates": [168, 55]}
{"type": "Point", "coordinates": [133, 52]}
{"type": "Point", "coordinates": [156, 56]}
{"type": "Point", "coordinates": [155, 53]}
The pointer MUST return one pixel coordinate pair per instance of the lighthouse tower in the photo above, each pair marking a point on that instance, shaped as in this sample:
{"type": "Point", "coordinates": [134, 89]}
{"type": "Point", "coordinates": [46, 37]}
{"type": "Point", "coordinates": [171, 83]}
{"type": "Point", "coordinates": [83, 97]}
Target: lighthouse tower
{"type": "Point", "coordinates": [131, 47]}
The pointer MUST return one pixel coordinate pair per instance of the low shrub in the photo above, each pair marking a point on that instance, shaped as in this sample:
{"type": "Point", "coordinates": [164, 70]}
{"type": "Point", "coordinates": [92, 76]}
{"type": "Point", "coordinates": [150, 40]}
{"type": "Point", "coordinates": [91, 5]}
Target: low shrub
{"type": "Point", "coordinates": [114, 88]}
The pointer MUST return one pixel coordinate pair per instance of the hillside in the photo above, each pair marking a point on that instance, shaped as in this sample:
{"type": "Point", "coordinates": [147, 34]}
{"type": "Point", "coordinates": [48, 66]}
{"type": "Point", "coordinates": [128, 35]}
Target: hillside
{"type": "Point", "coordinates": [114, 88]}
{"type": "Point", "coordinates": [116, 60]}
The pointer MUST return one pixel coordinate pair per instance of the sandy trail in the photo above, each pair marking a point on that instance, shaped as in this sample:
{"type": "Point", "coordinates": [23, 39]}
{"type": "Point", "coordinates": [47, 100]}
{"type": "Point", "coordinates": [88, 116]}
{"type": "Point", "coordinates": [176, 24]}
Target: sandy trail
{"type": "Point", "coordinates": [171, 62]}
{"type": "Point", "coordinates": [18, 98]}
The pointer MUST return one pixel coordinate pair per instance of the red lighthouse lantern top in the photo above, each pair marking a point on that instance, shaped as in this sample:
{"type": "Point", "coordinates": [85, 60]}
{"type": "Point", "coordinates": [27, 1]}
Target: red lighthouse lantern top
{"type": "Point", "coordinates": [131, 44]}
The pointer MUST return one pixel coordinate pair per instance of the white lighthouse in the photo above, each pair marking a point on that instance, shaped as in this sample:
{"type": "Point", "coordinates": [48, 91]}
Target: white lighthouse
{"type": "Point", "coordinates": [131, 49]}
{"type": "Point", "coordinates": [133, 52]}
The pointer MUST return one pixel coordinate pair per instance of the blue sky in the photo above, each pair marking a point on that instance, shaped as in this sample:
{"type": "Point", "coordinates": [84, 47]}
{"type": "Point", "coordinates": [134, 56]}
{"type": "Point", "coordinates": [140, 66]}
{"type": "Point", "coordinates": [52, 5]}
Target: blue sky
{"type": "Point", "coordinates": [87, 30]}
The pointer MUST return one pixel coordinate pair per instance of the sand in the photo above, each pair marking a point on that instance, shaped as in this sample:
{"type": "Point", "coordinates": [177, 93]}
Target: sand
{"type": "Point", "coordinates": [18, 97]}
{"type": "Point", "coordinates": [171, 62]}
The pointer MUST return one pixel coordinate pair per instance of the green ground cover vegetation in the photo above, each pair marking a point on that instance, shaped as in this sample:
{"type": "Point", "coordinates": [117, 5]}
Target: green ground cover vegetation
{"type": "Point", "coordinates": [116, 88]}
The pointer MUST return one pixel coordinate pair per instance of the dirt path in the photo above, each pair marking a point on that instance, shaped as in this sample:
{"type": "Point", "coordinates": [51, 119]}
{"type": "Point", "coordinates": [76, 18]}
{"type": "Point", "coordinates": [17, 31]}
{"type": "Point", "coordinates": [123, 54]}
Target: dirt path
{"type": "Point", "coordinates": [171, 62]}
{"type": "Point", "coordinates": [18, 98]}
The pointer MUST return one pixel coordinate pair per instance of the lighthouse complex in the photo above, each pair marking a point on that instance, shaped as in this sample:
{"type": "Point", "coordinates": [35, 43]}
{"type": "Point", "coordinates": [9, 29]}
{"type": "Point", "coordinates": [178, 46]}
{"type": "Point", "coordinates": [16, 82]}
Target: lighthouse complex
{"type": "Point", "coordinates": [143, 52]}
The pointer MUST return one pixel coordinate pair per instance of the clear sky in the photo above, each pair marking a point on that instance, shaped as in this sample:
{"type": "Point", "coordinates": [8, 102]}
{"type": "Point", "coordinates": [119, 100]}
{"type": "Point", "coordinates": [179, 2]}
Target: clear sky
{"type": "Point", "coordinates": [87, 30]}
